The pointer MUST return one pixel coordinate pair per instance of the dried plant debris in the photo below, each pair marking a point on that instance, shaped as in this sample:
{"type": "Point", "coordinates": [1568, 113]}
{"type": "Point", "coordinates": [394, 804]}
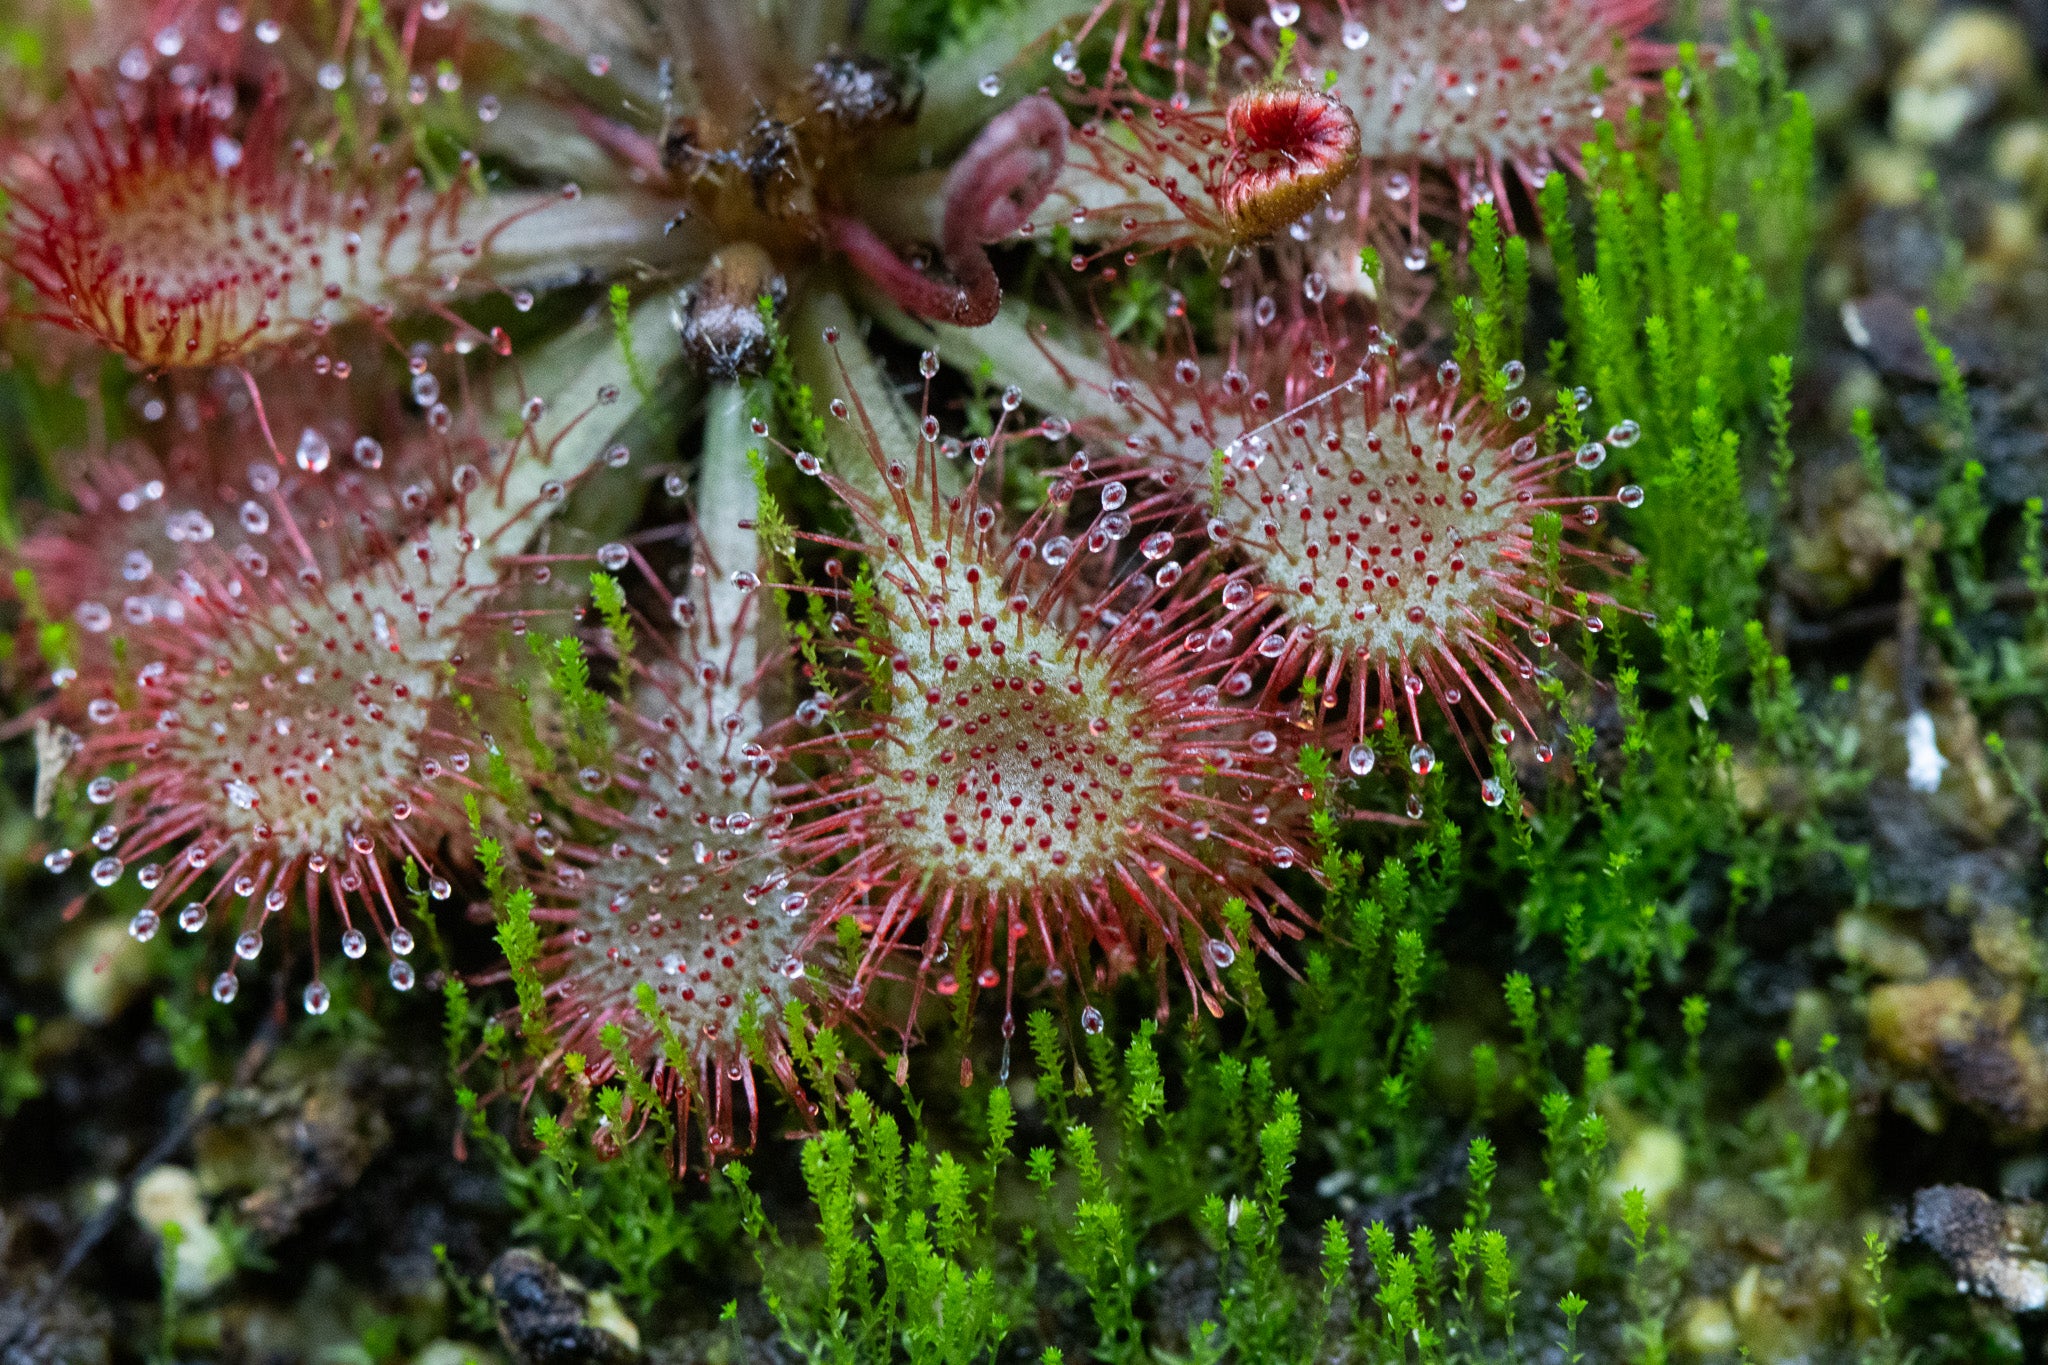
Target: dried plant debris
{"type": "Point", "coordinates": [547, 1318]}
{"type": "Point", "coordinates": [43, 1321]}
{"type": "Point", "coordinates": [300, 1136]}
{"type": "Point", "coordinates": [1998, 1249]}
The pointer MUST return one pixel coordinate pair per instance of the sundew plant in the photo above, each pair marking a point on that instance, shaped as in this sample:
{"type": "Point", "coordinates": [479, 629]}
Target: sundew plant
{"type": "Point", "coordinates": [1143, 681]}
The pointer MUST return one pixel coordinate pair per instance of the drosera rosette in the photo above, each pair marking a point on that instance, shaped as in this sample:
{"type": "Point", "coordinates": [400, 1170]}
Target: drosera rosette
{"type": "Point", "coordinates": [675, 932]}
{"type": "Point", "coordinates": [186, 217]}
{"type": "Point", "coordinates": [1042, 753]}
{"type": "Point", "coordinates": [263, 689]}
{"type": "Point", "coordinates": [771, 143]}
